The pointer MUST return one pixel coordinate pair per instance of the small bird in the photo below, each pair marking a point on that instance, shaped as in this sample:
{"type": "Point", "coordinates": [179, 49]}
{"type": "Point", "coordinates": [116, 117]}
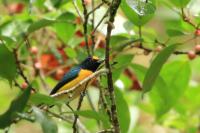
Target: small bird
{"type": "Point", "coordinates": [75, 75]}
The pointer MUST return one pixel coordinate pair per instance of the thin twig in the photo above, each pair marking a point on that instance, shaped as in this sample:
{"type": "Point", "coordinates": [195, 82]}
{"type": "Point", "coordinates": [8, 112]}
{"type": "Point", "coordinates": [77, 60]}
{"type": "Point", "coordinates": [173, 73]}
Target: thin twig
{"type": "Point", "coordinates": [106, 131]}
{"type": "Point", "coordinates": [104, 102]}
{"type": "Point", "coordinates": [20, 69]}
{"type": "Point", "coordinates": [112, 12]}
{"type": "Point", "coordinates": [104, 16]}
{"type": "Point", "coordinates": [186, 19]}
{"type": "Point", "coordinates": [77, 10]}
{"type": "Point", "coordinates": [94, 9]}
{"type": "Point", "coordinates": [70, 120]}
{"type": "Point", "coordinates": [93, 22]}
{"type": "Point", "coordinates": [78, 108]}
{"type": "Point", "coordinates": [106, 2]}
{"type": "Point", "coordinates": [85, 12]}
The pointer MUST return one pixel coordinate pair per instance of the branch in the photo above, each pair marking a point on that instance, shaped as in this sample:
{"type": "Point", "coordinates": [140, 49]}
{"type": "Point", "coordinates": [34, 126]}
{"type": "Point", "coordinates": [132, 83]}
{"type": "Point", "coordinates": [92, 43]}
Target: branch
{"type": "Point", "coordinates": [93, 10]}
{"type": "Point", "coordinates": [106, 131]}
{"type": "Point", "coordinates": [151, 50]}
{"type": "Point", "coordinates": [105, 15]}
{"type": "Point", "coordinates": [104, 102]}
{"type": "Point", "coordinates": [77, 10]}
{"type": "Point", "coordinates": [78, 108]}
{"type": "Point", "coordinates": [93, 22]}
{"type": "Point", "coordinates": [79, 124]}
{"type": "Point", "coordinates": [20, 69]}
{"type": "Point", "coordinates": [85, 12]}
{"type": "Point", "coordinates": [80, 83]}
{"type": "Point", "coordinates": [187, 20]}
{"type": "Point", "coordinates": [112, 12]}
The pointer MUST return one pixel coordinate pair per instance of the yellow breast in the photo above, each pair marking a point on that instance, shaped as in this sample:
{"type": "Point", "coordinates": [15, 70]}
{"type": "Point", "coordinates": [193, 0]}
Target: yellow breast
{"type": "Point", "coordinates": [82, 75]}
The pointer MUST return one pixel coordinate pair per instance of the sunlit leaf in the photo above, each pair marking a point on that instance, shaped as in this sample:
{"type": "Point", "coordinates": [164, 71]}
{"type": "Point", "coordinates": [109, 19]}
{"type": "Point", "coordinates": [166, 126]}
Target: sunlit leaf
{"type": "Point", "coordinates": [156, 66]}
{"type": "Point", "coordinates": [133, 16]}
{"type": "Point", "coordinates": [176, 77]}
{"type": "Point", "coordinates": [142, 7]}
{"type": "Point", "coordinates": [17, 106]}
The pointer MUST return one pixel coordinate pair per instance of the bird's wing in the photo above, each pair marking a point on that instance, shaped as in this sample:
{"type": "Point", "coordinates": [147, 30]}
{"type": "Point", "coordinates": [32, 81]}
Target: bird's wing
{"type": "Point", "coordinates": [72, 74]}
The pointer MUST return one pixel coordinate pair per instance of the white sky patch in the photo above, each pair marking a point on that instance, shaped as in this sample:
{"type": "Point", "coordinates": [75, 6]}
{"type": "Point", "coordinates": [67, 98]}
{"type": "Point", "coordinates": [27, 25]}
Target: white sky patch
{"type": "Point", "coordinates": [120, 84]}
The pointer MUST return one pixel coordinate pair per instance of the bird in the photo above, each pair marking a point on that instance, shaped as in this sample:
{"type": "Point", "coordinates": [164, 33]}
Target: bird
{"type": "Point", "coordinates": [74, 76]}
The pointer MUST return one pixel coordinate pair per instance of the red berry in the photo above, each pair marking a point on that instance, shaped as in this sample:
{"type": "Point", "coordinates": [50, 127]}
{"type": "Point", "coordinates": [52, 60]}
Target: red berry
{"type": "Point", "coordinates": [197, 48]}
{"type": "Point", "coordinates": [197, 32]}
{"type": "Point", "coordinates": [79, 33]}
{"type": "Point", "coordinates": [16, 7]}
{"type": "Point", "coordinates": [191, 55]}
{"type": "Point", "coordinates": [59, 74]}
{"type": "Point", "coordinates": [24, 85]}
{"type": "Point", "coordinates": [34, 50]}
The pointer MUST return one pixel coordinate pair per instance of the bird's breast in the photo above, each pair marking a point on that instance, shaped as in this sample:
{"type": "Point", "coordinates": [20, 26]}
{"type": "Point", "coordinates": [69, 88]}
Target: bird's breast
{"type": "Point", "coordinates": [81, 76]}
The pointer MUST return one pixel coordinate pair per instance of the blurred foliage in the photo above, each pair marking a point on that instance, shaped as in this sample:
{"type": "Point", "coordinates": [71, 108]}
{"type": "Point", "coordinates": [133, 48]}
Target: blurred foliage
{"type": "Point", "coordinates": [155, 48]}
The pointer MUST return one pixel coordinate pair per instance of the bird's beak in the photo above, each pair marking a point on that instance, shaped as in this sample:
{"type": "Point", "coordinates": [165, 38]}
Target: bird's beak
{"type": "Point", "coordinates": [101, 61]}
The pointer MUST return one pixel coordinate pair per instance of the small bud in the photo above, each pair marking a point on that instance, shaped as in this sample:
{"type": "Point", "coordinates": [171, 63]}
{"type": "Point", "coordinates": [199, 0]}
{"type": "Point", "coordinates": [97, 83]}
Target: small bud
{"type": "Point", "coordinates": [24, 85]}
{"type": "Point", "coordinates": [197, 48]}
{"type": "Point", "coordinates": [197, 32]}
{"type": "Point", "coordinates": [191, 55]}
{"type": "Point", "coordinates": [158, 48]}
{"type": "Point", "coordinates": [34, 50]}
{"type": "Point", "coordinates": [38, 65]}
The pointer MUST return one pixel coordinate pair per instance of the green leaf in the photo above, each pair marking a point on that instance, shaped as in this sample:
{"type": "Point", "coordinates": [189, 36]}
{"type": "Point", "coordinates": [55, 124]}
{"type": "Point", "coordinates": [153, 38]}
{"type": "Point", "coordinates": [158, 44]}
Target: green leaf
{"type": "Point", "coordinates": [8, 66]}
{"type": "Point", "coordinates": [142, 7]}
{"type": "Point", "coordinates": [176, 76]}
{"type": "Point", "coordinates": [8, 41]}
{"type": "Point", "coordinates": [133, 16]}
{"type": "Point", "coordinates": [122, 111]}
{"type": "Point", "coordinates": [64, 29]}
{"type": "Point", "coordinates": [43, 99]}
{"type": "Point", "coordinates": [174, 32]}
{"type": "Point", "coordinates": [39, 24]}
{"type": "Point", "coordinates": [70, 52]}
{"type": "Point", "coordinates": [118, 39]}
{"type": "Point", "coordinates": [180, 3]}
{"type": "Point", "coordinates": [156, 66]}
{"type": "Point", "coordinates": [94, 115]}
{"type": "Point", "coordinates": [17, 106]}
{"type": "Point", "coordinates": [139, 70]}
{"type": "Point", "coordinates": [122, 62]}
{"type": "Point", "coordinates": [48, 125]}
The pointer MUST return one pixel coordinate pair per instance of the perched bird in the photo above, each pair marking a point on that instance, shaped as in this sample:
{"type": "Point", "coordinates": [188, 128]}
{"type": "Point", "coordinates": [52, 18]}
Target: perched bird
{"type": "Point", "coordinates": [75, 75]}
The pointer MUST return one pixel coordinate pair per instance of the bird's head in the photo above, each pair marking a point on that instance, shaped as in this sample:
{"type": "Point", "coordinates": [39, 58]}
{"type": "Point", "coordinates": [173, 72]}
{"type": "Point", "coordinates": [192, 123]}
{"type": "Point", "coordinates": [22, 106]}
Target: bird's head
{"type": "Point", "coordinates": [91, 63]}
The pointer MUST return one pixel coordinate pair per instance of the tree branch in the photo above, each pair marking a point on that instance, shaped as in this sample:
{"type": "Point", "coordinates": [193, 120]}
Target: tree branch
{"type": "Point", "coordinates": [85, 12]}
{"type": "Point", "coordinates": [20, 69]}
{"type": "Point", "coordinates": [112, 12]}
